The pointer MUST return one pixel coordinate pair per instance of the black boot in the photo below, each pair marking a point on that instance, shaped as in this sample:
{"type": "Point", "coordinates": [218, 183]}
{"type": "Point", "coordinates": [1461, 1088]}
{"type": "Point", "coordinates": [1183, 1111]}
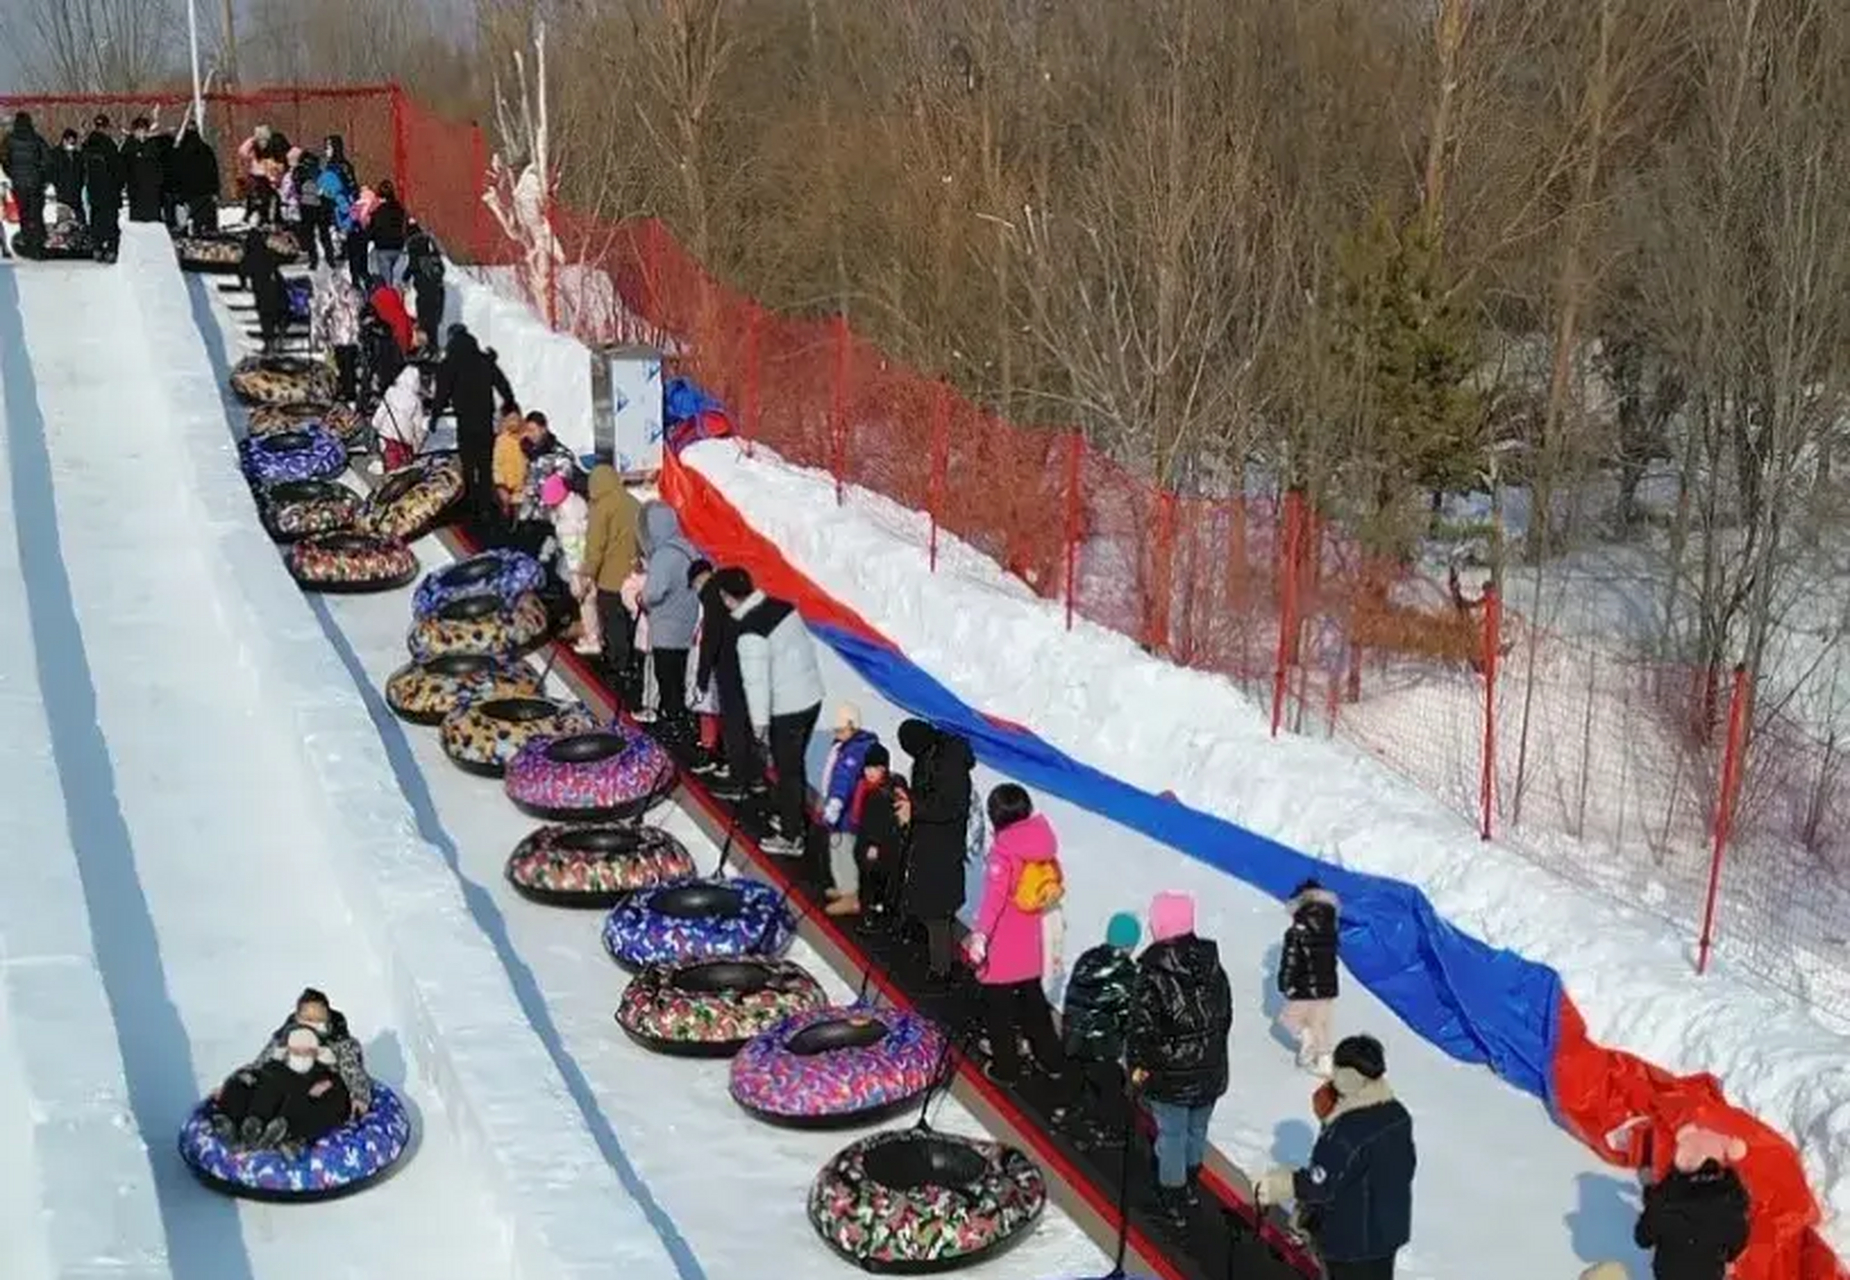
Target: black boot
{"type": "Point", "coordinates": [1172, 1207]}
{"type": "Point", "coordinates": [1191, 1189]}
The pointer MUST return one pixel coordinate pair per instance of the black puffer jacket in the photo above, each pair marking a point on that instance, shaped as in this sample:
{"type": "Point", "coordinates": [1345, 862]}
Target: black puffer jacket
{"type": "Point", "coordinates": [1696, 1223]}
{"type": "Point", "coordinates": [193, 168]}
{"type": "Point", "coordinates": [64, 173]}
{"type": "Point", "coordinates": [941, 793]}
{"type": "Point", "coordinates": [1097, 1019]}
{"type": "Point", "coordinates": [26, 158]}
{"type": "Point", "coordinates": [1181, 1016]}
{"type": "Point", "coordinates": [1307, 961]}
{"type": "Point", "coordinates": [104, 171]}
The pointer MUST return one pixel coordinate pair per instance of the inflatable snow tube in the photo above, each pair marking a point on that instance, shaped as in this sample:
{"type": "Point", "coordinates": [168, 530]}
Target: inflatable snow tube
{"type": "Point", "coordinates": [309, 452]}
{"type": "Point", "coordinates": [425, 692]}
{"type": "Point", "coordinates": [481, 737]}
{"type": "Point", "coordinates": [912, 1202]}
{"type": "Point", "coordinates": [350, 1158]}
{"type": "Point", "coordinates": [301, 508]}
{"type": "Point", "coordinates": [220, 255]}
{"type": "Point", "coordinates": [713, 1008]}
{"type": "Point", "coordinates": [607, 773]}
{"type": "Point", "coordinates": [838, 1066]}
{"type": "Point", "coordinates": [413, 499]}
{"type": "Point", "coordinates": [278, 380]}
{"type": "Point", "coordinates": [499, 572]}
{"type": "Point", "coordinates": [479, 624]}
{"type": "Point", "coordinates": [297, 294]}
{"type": "Point", "coordinates": [354, 563]}
{"type": "Point", "coordinates": [346, 424]}
{"type": "Point", "coordinates": [596, 864]}
{"type": "Point", "coordinates": [698, 920]}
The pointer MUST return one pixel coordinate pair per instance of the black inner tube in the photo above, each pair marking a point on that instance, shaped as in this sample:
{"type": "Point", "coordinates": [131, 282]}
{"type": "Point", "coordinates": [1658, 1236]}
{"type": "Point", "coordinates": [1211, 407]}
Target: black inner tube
{"type": "Point", "coordinates": [924, 1160]}
{"type": "Point", "coordinates": [519, 710]}
{"type": "Point", "coordinates": [396, 487]}
{"type": "Point", "coordinates": [699, 902]}
{"type": "Point", "coordinates": [308, 491]}
{"type": "Point", "coordinates": [469, 609]}
{"type": "Point", "coordinates": [347, 543]}
{"type": "Point", "coordinates": [470, 572]}
{"type": "Point", "coordinates": [587, 748]}
{"type": "Point", "coordinates": [604, 840]}
{"type": "Point", "coordinates": [288, 442]}
{"type": "Point", "coordinates": [741, 976]}
{"type": "Point", "coordinates": [836, 1033]}
{"type": "Point", "coordinates": [461, 664]}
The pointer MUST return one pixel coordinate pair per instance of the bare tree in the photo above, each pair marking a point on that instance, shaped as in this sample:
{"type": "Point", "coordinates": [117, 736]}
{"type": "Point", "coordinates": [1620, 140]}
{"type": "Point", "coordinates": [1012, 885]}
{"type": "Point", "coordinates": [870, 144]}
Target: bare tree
{"type": "Point", "coordinates": [92, 46]}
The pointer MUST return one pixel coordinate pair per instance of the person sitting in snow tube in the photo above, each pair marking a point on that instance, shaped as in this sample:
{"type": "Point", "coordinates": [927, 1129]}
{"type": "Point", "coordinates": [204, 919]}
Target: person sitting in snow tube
{"type": "Point", "coordinates": [479, 624]}
{"type": "Point", "coordinates": [690, 415]}
{"type": "Point", "coordinates": [302, 1119]}
{"type": "Point", "coordinates": [596, 864]}
{"type": "Point", "coordinates": [425, 692]}
{"type": "Point", "coordinates": [615, 772]}
{"type": "Point", "coordinates": [838, 1066]}
{"type": "Point", "coordinates": [309, 452]}
{"type": "Point", "coordinates": [300, 508]}
{"type": "Point", "coordinates": [481, 737]}
{"type": "Point", "coordinates": [350, 562]}
{"type": "Point", "coordinates": [714, 919]}
{"type": "Point", "coordinates": [414, 499]}
{"type": "Point", "coordinates": [498, 572]}
{"type": "Point", "coordinates": [281, 380]}
{"type": "Point", "coordinates": [913, 1201]}
{"type": "Point", "coordinates": [712, 1008]}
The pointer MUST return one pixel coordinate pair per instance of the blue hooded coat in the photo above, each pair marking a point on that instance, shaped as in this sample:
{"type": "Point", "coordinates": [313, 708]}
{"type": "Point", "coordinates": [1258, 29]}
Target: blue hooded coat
{"type": "Point", "coordinates": [672, 605]}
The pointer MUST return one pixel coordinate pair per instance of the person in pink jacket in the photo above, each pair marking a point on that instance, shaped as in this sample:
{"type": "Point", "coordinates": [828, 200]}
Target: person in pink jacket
{"type": "Point", "coordinates": [1022, 884]}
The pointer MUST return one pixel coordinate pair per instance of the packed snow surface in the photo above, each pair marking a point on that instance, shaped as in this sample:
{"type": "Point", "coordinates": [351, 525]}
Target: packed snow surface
{"type": "Point", "coordinates": [1096, 696]}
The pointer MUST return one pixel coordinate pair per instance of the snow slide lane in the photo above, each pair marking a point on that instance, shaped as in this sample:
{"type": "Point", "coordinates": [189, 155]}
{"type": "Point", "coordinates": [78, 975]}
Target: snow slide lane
{"type": "Point", "coordinates": [234, 825]}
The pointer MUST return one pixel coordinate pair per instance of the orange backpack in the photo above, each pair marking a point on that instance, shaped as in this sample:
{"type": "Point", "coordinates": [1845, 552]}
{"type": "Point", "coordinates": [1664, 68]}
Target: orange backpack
{"type": "Point", "coordinates": [1040, 886]}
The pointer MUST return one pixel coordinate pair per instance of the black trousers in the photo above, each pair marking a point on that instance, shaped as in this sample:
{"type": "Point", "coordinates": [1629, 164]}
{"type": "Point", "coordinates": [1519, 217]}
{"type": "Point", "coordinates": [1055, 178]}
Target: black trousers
{"type": "Point", "coordinates": [429, 299]}
{"type": "Point", "coordinates": [475, 444]}
{"type": "Point", "coordinates": [202, 215]}
{"type": "Point", "coordinates": [1374, 1269]}
{"type": "Point", "coordinates": [1019, 1010]}
{"type": "Point", "coordinates": [619, 644]}
{"type": "Point", "coordinates": [347, 371]}
{"type": "Point", "coordinates": [275, 1092]}
{"type": "Point", "coordinates": [106, 225]}
{"type": "Point", "coordinates": [1096, 1085]}
{"type": "Point", "coordinates": [671, 680]}
{"type": "Point", "coordinates": [31, 217]}
{"type": "Point", "coordinates": [790, 737]}
{"type": "Point", "coordinates": [317, 234]}
{"type": "Point", "coordinates": [357, 267]}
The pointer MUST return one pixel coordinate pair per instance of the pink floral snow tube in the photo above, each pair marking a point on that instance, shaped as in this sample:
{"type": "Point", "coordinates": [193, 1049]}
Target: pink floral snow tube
{"type": "Point", "coordinates": [613, 772]}
{"type": "Point", "coordinates": [838, 1066]}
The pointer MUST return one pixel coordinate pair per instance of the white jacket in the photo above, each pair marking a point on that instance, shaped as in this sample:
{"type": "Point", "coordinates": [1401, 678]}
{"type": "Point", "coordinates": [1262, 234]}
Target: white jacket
{"type": "Point", "coordinates": [400, 415]}
{"type": "Point", "coordinates": [777, 659]}
{"type": "Point", "coordinates": [571, 525]}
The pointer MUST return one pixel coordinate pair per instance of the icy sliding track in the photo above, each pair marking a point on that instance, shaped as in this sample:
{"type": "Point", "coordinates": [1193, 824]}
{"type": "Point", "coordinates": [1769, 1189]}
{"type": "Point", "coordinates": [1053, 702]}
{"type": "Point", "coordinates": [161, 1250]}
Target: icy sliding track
{"type": "Point", "coordinates": [724, 1193]}
{"type": "Point", "coordinates": [225, 859]}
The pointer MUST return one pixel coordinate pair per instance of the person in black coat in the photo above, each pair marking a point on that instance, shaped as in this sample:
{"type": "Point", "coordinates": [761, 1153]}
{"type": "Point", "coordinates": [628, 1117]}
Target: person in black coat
{"type": "Point", "coordinates": [1696, 1221]}
{"type": "Point", "coordinates": [716, 665]}
{"type": "Point", "coordinates": [938, 816]}
{"type": "Point", "coordinates": [144, 157]}
{"type": "Point", "coordinates": [263, 276]}
{"type": "Point", "coordinates": [66, 174]}
{"type": "Point", "coordinates": [1355, 1197]}
{"type": "Point", "coordinates": [103, 181]}
{"type": "Point", "coordinates": [880, 840]}
{"type": "Point", "coordinates": [1181, 1016]}
{"type": "Point", "coordinates": [29, 166]}
{"type": "Point", "coordinates": [424, 268]}
{"type": "Point", "coordinates": [1095, 1027]}
{"type": "Point", "coordinates": [196, 182]}
{"type": "Point", "coordinates": [386, 233]}
{"type": "Point", "coordinates": [468, 380]}
{"type": "Point", "coordinates": [1307, 973]}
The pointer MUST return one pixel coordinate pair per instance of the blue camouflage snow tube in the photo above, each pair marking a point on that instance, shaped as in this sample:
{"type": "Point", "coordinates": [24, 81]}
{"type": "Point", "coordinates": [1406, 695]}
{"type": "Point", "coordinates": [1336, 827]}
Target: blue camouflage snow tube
{"type": "Point", "coordinates": [699, 920]}
{"type": "Point", "coordinates": [309, 452]}
{"type": "Point", "coordinates": [499, 572]}
{"type": "Point", "coordinates": [349, 1158]}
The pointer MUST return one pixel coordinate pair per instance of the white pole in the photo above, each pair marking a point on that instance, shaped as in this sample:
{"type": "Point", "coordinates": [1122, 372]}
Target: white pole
{"type": "Point", "coordinates": [192, 38]}
{"type": "Point", "coordinates": [542, 162]}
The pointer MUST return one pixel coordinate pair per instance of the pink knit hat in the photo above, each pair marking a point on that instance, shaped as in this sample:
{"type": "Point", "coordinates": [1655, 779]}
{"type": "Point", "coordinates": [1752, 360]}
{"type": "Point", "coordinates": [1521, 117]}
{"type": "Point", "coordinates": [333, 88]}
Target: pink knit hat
{"type": "Point", "coordinates": [553, 490]}
{"type": "Point", "coordinates": [1172, 914]}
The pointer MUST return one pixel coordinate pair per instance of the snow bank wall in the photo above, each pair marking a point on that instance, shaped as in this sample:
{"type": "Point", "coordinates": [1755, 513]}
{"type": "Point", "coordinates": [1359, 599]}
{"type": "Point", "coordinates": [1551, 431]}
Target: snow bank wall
{"type": "Point", "coordinates": [568, 1216]}
{"type": "Point", "coordinates": [549, 371]}
{"type": "Point", "coordinates": [1478, 1003]}
{"type": "Point", "coordinates": [66, 1124]}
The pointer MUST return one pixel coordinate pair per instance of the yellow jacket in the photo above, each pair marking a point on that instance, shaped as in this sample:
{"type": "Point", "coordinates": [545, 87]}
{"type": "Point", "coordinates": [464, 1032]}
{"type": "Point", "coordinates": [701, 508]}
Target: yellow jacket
{"type": "Point", "coordinates": [611, 544]}
{"type": "Point", "coordinates": [510, 464]}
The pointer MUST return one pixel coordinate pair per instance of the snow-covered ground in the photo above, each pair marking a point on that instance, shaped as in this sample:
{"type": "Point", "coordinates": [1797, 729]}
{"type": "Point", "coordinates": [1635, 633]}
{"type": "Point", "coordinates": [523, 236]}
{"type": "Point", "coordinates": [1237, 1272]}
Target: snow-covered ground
{"type": "Point", "coordinates": [1093, 694]}
{"type": "Point", "coordinates": [724, 1195]}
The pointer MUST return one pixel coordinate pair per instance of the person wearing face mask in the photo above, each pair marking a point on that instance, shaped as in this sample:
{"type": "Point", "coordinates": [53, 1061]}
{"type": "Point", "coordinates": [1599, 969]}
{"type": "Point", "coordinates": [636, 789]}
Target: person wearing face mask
{"type": "Point", "coordinates": [309, 1079]}
{"type": "Point", "coordinates": [65, 172]}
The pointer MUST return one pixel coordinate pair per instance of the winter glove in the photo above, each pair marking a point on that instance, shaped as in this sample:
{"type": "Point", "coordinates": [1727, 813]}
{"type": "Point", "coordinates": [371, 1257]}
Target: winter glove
{"type": "Point", "coordinates": [1276, 1187]}
{"type": "Point", "coordinates": [831, 812]}
{"type": "Point", "coordinates": [976, 946]}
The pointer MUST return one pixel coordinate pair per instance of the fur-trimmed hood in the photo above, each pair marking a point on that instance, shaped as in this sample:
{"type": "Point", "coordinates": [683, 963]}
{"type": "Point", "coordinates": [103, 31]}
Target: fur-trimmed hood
{"type": "Point", "coordinates": [1355, 1092]}
{"type": "Point", "coordinates": [1319, 897]}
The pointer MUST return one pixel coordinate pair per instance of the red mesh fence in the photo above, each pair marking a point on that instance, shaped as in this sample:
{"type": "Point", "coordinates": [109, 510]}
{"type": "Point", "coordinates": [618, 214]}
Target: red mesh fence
{"type": "Point", "coordinates": [1641, 780]}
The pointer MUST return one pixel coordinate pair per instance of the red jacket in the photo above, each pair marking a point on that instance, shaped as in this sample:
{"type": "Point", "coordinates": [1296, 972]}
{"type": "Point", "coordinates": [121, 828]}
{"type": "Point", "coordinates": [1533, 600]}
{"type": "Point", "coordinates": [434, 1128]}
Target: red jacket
{"type": "Point", "coordinates": [389, 305]}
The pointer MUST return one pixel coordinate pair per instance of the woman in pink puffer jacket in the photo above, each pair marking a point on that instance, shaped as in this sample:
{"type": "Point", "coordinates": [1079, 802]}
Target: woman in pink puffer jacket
{"type": "Point", "coordinates": [1008, 944]}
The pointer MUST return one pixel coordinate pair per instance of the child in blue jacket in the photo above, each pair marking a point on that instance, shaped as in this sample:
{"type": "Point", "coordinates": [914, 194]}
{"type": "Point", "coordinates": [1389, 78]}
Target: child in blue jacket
{"type": "Point", "coordinates": [841, 783]}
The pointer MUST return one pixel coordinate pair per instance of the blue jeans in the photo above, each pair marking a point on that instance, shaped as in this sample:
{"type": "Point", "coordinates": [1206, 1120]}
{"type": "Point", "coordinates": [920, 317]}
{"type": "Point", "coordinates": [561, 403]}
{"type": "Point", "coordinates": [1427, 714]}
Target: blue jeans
{"type": "Point", "coordinates": [1181, 1140]}
{"type": "Point", "coordinates": [387, 264]}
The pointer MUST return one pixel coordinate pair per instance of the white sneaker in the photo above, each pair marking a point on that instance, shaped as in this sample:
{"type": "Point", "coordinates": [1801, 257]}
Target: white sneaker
{"type": "Point", "coordinates": [780, 846]}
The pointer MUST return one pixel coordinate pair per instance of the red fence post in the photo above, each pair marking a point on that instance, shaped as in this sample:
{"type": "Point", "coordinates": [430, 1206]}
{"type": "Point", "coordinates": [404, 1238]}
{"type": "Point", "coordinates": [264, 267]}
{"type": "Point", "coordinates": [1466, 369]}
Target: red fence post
{"type": "Point", "coordinates": [749, 410]}
{"type": "Point", "coordinates": [1493, 647]}
{"type": "Point", "coordinates": [838, 408]}
{"type": "Point", "coordinates": [940, 464]}
{"type": "Point", "coordinates": [1732, 755]}
{"type": "Point", "coordinates": [1075, 518]}
{"type": "Point", "coordinates": [1162, 591]}
{"type": "Point", "coordinates": [1288, 576]}
{"type": "Point", "coordinates": [401, 147]}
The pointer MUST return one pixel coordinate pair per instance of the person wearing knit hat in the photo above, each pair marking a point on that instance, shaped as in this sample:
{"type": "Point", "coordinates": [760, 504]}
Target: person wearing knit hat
{"type": "Point", "coordinates": [1357, 1190]}
{"type": "Point", "coordinates": [880, 839]}
{"type": "Point", "coordinates": [1094, 1025]}
{"type": "Point", "coordinates": [843, 787]}
{"type": "Point", "coordinates": [1696, 1220]}
{"type": "Point", "coordinates": [1181, 1017]}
